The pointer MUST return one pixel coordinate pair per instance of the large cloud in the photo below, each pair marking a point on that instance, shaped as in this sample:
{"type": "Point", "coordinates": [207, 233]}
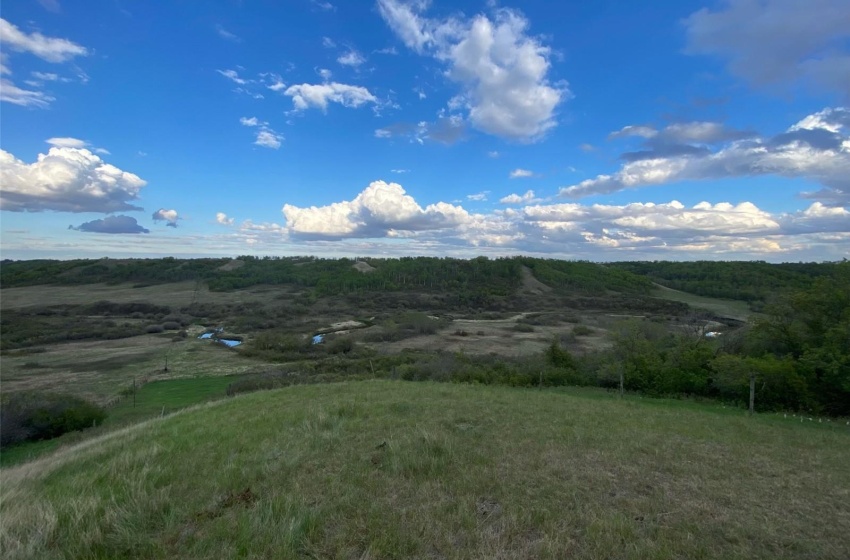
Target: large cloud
{"type": "Point", "coordinates": [656, 230]}
{"type": "Point", "coordinates": [394, 223]}
{"type": "Point", "coordinates": [778, 41]}
{"type": "Point", "coordinates": [112, 224]}
{"type": "Point", "coordinates": [501, 70]}
{"type": "Point", "coordinates": [380, 209]}
{"type": "Point", "coordinates": [66, 180]}
{"type": "Point", "coordinates": [817, 148]}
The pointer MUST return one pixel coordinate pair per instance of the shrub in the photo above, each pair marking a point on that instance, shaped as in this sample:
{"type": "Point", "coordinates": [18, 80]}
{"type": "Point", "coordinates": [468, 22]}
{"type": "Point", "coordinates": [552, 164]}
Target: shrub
{"type": "Point", "coordinates": [342, 345]}
{"type": "Point", "coordinates": [523, 327]}
{"type": "Point", "coordinates": [171, 326]}
{"type": "Point", "coordinates": [582, 330]}
{"type": "Point", "coordinates": [154, 329]}
{"type": "Point", "coordinates": [35, 416]}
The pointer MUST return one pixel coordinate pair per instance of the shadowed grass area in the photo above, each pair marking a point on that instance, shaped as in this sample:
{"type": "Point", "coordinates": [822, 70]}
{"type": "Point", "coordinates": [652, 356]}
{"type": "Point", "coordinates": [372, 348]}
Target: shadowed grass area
{"type": "Point", "coordinates": [383, 469]}
{"type": "Point", "coordinates": [734, 309]}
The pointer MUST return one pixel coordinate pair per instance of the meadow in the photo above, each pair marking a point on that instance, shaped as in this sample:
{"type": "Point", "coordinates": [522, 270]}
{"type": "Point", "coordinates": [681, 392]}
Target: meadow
{"type": "Point", "coordinates": [454, 409]}
{"type": "Point", "coordinates": [391, 469]}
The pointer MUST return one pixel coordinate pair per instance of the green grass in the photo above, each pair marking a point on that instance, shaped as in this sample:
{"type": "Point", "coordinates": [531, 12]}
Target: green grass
{"type": "Point", "coordinates": [153, 399]}
{"type": "Point", "coordinates": [165, 397]}
{"type": "Point", "coordinates": [30, 450]}
{"type": "Point", "coordinates": [383, 469]}
{"type": "Point", "coordinates": [733, 309]}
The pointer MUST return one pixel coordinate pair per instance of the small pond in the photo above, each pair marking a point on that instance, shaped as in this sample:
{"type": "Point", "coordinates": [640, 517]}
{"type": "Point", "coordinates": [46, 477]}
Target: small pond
{"type": "Point", "coordinates": [214, 336]}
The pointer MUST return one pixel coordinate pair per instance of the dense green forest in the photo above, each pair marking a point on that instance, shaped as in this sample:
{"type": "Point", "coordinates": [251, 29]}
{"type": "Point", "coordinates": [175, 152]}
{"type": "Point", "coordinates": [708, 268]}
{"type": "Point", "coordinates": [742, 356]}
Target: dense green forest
{"type": "Point", "coordinates": [500, 277]}
{"type": "Point", "coordinates": [750, 281]}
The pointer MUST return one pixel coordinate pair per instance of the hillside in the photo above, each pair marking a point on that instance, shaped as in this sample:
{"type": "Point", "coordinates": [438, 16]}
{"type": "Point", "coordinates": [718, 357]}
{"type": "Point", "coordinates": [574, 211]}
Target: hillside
{"type": "Point", "coordinates": [385, 469]}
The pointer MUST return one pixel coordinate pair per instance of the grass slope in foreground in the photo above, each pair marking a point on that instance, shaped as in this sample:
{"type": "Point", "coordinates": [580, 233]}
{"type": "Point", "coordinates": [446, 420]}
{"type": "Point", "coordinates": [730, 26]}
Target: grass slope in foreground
{"type": "Point", "coordinates": [385, 469]}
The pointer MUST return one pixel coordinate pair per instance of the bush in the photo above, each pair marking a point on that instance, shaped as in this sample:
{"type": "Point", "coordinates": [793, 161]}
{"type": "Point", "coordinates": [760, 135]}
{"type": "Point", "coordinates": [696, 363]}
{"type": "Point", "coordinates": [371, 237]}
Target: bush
{"type": "Point", "coordinates": [171, 326]}
{"type": "Point", "coordinates": [522, 327]}
{"type": "Point", "coordinates": [154, 329]}
{"type": "Point", "coordinates": [35, 416]}
{"type": "Point", "coordinates": [341, 346]}
{"type": "Point", "coordinates": [582, 330]}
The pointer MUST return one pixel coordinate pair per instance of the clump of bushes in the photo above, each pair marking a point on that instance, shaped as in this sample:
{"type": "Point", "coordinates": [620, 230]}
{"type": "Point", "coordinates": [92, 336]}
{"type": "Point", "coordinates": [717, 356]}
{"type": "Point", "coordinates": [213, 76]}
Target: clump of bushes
{"type": "Point", "coordinates": [582, 330]}
{"type": "Point", "coordinates": [154, 329]}
{"type": "Point", "coordinates": [405, 325]}
{"type": "Point", "coordinates": [34, 416]}
{"type": "Point", "coordinates": [523, 327]}
{"type": "Point", "coordinates": [342, 345]}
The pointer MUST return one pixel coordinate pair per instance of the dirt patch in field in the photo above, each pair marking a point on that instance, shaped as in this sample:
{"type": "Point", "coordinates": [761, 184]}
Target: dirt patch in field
{"type": "Point", "coordinates": [232, 265]}
{"type": "Point", "coordinates": [363, 267]}
{"type": "Point", "coordinates": [498, 336]}
{"type": "Point", "coordinates": [532, 285]}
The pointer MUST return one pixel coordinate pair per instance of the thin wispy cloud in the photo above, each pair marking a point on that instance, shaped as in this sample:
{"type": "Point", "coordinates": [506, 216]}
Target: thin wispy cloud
{"type": "Point", "coordinates": [225, 34]}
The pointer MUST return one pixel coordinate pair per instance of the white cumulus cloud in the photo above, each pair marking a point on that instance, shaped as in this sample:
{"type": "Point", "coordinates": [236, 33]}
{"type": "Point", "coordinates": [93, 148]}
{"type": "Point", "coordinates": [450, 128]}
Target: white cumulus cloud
{"type": "Point", "coordinates": [351, 58]}
{"type": "Point", "coordinates": [66, 180]}
{"type": "Point", "coordinates": [221, 218]}
{"type": "Point", "coordinates": [305, 96]}
{"type": "Point", "coordinates": [502, 71]}
{"type": "Point", "coordinates": [521, 174]}
{"type": "Point", "coordinates": [381, 209]}
{"type": "Point", "coordinates": [170, 217]}
{"type": "Point", "coordinates": [527, 198]}
{"type": "Point", "coordinates": [268, 139]}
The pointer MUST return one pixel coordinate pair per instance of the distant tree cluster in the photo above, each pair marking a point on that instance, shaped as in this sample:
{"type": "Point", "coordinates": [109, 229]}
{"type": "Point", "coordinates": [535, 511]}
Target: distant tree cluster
{"type": "Point", "coordinates": [30, 416]}
{"type": "Point", "coordinates": [751, 281]}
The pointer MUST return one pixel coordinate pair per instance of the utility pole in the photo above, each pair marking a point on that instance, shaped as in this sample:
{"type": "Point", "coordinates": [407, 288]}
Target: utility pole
{"type": "Point", "coordinates": [622, 381]}
{"type": "Point", "coordinates": [752, 392]}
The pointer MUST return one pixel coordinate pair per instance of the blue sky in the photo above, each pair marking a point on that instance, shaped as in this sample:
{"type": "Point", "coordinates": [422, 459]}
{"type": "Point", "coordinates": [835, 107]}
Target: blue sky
{"type": "Point", "coordinates": [711, 129]}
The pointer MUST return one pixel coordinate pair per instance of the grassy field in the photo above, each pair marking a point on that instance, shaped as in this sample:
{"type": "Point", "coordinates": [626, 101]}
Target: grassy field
{"type": "Point", "coordinates": [175, 294]}
{"type": "Point", "coordinates": [733, 309]}
{"type": "Point", "coordinates": [152, 399]}
{"type": "Point", "coordinates": [384, 469]}
{"type": "Point", "coordinates": [99, 370]}
{"type": "Point", "coordinates": [167, 396]}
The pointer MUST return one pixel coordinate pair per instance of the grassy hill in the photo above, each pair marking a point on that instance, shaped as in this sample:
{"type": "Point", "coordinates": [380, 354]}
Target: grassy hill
{"type": "Point", "coordinates": [384, 469]}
